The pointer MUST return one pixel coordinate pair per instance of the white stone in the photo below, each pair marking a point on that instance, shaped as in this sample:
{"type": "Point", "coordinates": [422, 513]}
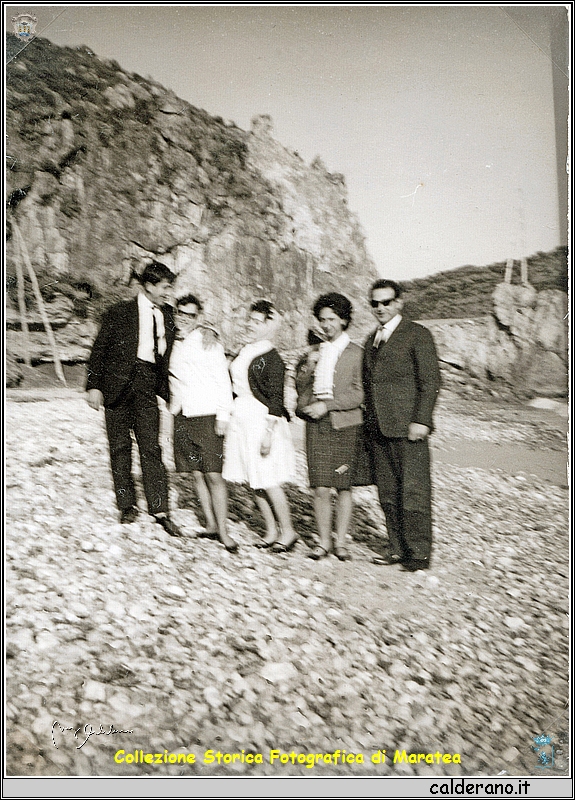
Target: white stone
{"type": "Point", "coordinates": [213, 697]}
{"type": "Point", "coordinates": [510, 754]}
{"type": "Point", "coordinates": [278, 672]}
{"type": "Point", "coordinates": [95, 691]}
{"type": "Point", "coordinates": [22, 638]}
{"type": "Point", "coordinates": [46, 641]}
{"type": "Point", "coordinates": [79, 609]}
{"type": "Point", "coordinates": [42, 727]}
{"type": "Point", "coordinates": [115, 609]}
{"type": "Point", "coordinates": [529, 665]}
{"type": "Point", "coordinates": [174, 591]}
{"type": "Point", "coordinates": [514, 623]}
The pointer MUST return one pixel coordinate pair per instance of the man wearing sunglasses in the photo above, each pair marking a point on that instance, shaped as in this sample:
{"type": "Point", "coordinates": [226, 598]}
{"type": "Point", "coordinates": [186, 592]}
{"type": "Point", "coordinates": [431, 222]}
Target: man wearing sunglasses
{"type": "Point", "coordinates": [401, 383]}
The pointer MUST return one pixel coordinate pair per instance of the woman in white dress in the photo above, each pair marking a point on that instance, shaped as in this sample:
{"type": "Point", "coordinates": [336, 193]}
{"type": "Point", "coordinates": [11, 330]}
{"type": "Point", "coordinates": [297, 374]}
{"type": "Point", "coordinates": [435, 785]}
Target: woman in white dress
{"type": "Point", "coordinates": [258, 449]}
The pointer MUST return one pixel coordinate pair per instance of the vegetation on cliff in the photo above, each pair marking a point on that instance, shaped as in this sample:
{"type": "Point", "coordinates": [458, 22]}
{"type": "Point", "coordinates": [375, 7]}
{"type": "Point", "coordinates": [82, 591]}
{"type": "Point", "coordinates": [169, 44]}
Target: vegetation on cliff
{"type": "Point", "coordinates": [467, 292]}
{"type": "Point", "coordinates": [107, 170]}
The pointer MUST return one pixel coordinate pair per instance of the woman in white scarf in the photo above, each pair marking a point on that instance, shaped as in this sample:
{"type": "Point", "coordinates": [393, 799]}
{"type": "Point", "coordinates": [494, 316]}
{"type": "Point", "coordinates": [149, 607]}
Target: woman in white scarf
{"type": "Point", "coordinates": [330, 395]}
{"type": "Point", "coordinates": [259, 450]}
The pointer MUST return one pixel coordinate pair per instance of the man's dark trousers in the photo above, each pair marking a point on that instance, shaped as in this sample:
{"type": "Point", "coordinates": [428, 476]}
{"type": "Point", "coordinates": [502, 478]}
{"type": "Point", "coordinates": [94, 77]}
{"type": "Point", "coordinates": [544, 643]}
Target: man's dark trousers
{"type": "Point", "coordinates": [130, 388]}
{"type": "Point", "coordinates": [401, 382]}
{"type": "Point", "coordinates": [137, 409]}
{"type": "Point", "coordinates": [402, 470]}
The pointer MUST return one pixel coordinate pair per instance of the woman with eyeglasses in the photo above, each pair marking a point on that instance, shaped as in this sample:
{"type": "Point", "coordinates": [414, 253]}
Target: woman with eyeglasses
{"type": "Point", "coordinates": [259, 449]}
{"type": "Point", "coordinates": [201, 400]}
{"type": "Point", "coordinates": [330, 395]}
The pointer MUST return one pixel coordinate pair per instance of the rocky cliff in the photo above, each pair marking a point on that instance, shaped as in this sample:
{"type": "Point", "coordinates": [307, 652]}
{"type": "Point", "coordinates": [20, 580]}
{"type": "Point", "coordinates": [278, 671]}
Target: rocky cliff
{"type": "Point", "coordinates": [520, 348]}
{"type": "Point", "coordinates": [107, 170]}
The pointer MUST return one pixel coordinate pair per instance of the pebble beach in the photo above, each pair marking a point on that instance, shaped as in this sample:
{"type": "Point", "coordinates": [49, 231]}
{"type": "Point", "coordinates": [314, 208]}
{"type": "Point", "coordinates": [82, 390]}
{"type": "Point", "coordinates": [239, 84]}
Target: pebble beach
{"type": "Point", "coordinates": [124, 643]}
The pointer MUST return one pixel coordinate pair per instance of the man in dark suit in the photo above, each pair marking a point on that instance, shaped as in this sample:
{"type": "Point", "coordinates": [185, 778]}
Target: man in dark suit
{"type": "Point", "coordinates": [128, 368]}
{"type": "Point", "coordinates": [401, 383]}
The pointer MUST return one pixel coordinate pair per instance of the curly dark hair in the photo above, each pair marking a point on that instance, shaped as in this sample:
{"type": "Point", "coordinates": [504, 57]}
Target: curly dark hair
{"type": "Point", "coordinates": [187, 300]}
{"type": "Point", "coordinates": [265, 307]}
{"type": "Point", "coordinates": [338, 303]}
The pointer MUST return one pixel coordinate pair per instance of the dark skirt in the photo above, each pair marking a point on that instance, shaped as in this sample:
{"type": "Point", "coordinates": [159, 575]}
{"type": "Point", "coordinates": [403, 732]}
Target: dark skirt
{"type": "Point", "coordinates": [331, 454]}
{"type": "Point", "coordinates": [196, 445]}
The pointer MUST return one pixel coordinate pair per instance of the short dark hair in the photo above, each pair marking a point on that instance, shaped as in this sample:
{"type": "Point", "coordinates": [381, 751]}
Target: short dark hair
{"type": "Point", "coordinates": [265, 307]}
{"type": "Point", "coordinates": [187, 300]}
{"type": "Point", "coordinates": [155, 272]}
{"type": "Point", "coordinates": [384, 283]}
{"type": "Point", "coordinates": [338, 303]}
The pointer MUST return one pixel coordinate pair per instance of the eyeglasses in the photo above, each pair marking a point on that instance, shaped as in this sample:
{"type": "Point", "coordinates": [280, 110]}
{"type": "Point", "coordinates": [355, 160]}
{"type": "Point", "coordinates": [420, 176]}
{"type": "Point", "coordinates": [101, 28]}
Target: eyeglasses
{"type": "Point", "coordinates": [187, 314]}
{"type": "Point", "coordinates": [386, 303]}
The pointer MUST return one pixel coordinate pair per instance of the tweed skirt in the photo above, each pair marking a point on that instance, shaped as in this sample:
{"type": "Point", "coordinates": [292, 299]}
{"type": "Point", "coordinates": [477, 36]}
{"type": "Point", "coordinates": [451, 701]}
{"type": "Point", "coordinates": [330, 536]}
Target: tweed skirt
{"type": "Point", "coordinates": [331, 454]}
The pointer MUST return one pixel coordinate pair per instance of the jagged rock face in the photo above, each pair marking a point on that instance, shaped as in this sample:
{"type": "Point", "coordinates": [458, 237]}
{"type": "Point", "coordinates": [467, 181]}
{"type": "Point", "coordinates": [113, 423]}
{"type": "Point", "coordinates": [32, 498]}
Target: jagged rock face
{"type": "Point", "coordinates": [108, 170]}
{"type": "Point", "coordinates": [521, 346]}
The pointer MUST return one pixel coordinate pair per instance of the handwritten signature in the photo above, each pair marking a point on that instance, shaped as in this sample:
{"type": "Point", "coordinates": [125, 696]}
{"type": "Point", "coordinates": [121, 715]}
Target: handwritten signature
{"type": "Point", "coordinates": [86, 730]}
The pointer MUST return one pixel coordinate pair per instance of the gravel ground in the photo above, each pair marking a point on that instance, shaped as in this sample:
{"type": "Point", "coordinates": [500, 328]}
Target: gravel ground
{"type": "Point", "coordinates": [183, 647]}
{"type": "Point", "coordinates": [486, 420]}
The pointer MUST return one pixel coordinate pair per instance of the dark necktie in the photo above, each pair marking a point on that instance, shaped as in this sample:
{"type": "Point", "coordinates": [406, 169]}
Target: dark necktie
{"type": "Point", "coordinates": [156, 350]}
{"type": "Point", "coordinates": [381, 336]}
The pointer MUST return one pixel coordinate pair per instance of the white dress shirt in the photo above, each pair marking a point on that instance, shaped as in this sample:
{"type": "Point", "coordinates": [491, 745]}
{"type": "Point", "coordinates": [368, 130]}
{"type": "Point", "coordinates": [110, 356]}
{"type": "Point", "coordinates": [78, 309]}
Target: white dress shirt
{"type": "Point", "coordinates": [146, 313]}
{"type": "Point", "coordinates": [384, 332]}
{"type": "Point", "coordinates": [200, 383]}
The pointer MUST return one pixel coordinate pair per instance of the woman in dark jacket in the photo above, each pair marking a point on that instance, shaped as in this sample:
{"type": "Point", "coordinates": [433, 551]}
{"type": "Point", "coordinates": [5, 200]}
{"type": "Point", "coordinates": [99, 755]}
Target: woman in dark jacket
{"type": "Point", "coordinates": [330, 395]}
{"type": "Point", "coordinates": [259, 450]}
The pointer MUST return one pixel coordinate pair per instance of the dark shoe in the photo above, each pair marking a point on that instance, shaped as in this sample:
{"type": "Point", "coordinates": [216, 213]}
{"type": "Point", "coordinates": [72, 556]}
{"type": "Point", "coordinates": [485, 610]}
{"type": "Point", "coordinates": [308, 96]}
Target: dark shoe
{"type": "Point", "coordinates": [380, 561]}
{"type": "Point", "coordinates": [318, 553]}
{"type": "Point", "coordinates": [129, 515]}
{"type": "Point", "coordinates": [231, 546]}
{"type": "Point", "coordinates": [170, 527]}
{"type": "Point", "coordinates": [213, 535]}
{"type": "Point", "coordinates": [278, 547]}
{"type": "Point", "coordinates": [262, 545]}
{"type": "Point", "coordinates": [414, 565]}
{"type": "Point", "coordinates": [342, 553]}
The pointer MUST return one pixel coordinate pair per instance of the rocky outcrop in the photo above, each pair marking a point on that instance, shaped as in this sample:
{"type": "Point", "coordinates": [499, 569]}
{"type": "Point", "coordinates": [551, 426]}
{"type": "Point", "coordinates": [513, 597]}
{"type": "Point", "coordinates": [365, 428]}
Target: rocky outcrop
{"type": "Point", "coordinates": [521, 346]}
{"type": "Point", "coordinates": [108, 170]}
{"type": "Point", "coordinates": [467, 292]}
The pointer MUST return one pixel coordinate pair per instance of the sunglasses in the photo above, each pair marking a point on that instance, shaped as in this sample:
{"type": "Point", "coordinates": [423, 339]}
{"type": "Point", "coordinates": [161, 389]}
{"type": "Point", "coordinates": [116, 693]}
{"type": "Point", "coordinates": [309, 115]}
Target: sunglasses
{"type": "Point", "coordinates": [187, 314]}
{"type": "Point", "coordinates": [385, 303]}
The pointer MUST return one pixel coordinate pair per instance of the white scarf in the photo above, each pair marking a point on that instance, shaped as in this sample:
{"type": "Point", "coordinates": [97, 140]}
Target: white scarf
{"type": "Point", "coordinates": [240, 366]}
{"type": "Point", "coordinates": [329, 353]}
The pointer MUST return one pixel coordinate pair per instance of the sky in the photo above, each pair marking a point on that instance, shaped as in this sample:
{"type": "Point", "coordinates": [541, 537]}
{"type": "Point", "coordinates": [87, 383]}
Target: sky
{"type": "Point", "coordinates": [440, 118]}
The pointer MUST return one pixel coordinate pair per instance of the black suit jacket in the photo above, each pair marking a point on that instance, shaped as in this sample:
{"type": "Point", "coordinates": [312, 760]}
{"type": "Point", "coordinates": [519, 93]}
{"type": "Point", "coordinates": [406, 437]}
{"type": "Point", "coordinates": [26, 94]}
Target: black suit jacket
{"type": "Point", "coordinates": [401, 380]}
{"type": "Point", "coordinates": [115, 352]}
